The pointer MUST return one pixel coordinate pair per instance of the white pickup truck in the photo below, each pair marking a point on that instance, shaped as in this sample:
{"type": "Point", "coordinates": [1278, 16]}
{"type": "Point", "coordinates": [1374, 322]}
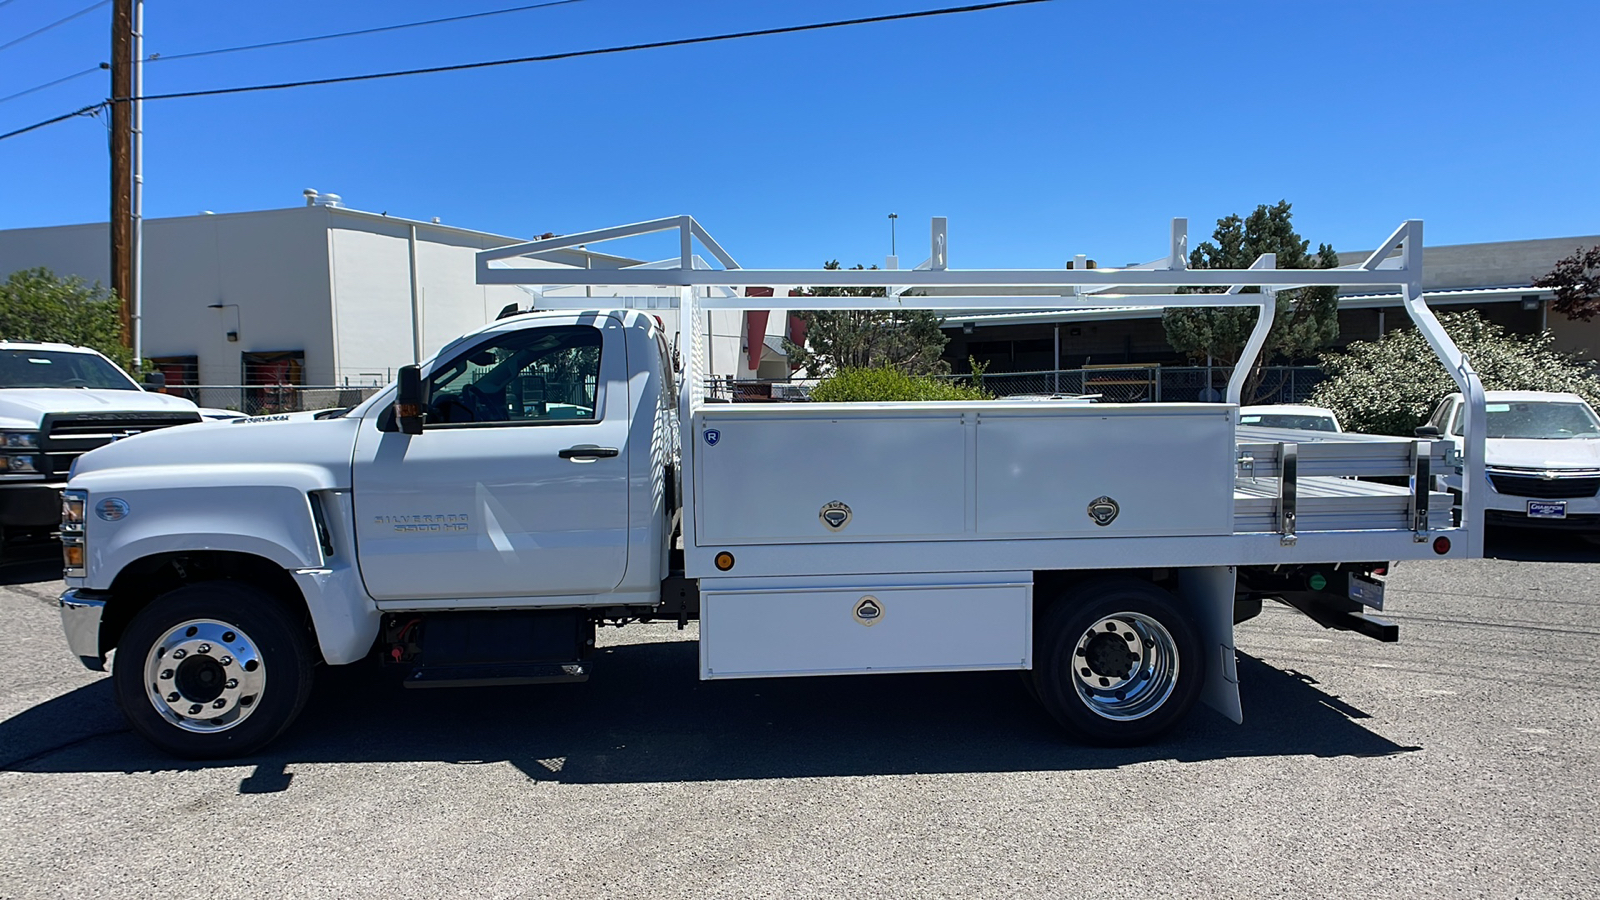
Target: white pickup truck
{"type": "Point", "coordinates": [473, 522]}
{"type": "Point", "coordinates": [57, 402]}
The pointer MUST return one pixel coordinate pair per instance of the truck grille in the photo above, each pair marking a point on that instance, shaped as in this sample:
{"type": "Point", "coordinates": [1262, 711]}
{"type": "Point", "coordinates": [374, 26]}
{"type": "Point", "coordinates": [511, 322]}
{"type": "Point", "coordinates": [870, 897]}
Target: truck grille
{"type": "Point", "coordinates": [67, 436]}
{"type": "Point", "coordinates": [1545, 488]}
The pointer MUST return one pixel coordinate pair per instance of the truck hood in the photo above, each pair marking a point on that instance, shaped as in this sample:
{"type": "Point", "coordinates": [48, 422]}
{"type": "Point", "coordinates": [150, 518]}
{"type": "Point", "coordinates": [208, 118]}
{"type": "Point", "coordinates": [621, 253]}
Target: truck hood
{"type": "Point", "coordinates": [1569, 453]}
{"type": "Point", "coordinates": [241, 450]}
{"type": "Point", "coordinates": [30, 404]}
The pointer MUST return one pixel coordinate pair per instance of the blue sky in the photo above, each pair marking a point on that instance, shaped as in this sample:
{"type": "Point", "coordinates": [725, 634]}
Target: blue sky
{"type": "Point", "coordinates": [1041, 131]}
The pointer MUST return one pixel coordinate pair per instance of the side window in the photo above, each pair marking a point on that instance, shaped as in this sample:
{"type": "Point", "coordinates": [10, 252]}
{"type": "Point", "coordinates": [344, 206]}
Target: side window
{"type": "Point", "coordinates": [1441, 416]}
{"type": "Point", "coordinates": [534, 376]}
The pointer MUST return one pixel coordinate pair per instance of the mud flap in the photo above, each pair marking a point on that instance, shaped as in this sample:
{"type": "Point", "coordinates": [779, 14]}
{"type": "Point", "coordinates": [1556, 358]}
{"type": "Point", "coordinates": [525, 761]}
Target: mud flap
{"type": "Point", "coordinates": [1208, 590]}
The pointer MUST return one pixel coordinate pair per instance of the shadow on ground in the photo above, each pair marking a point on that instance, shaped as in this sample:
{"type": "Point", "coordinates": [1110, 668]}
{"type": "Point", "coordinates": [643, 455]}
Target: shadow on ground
{"type": "Point", "coordinates": [1528, 545]}
{"type": "Point", "coordinates": [645, 717]}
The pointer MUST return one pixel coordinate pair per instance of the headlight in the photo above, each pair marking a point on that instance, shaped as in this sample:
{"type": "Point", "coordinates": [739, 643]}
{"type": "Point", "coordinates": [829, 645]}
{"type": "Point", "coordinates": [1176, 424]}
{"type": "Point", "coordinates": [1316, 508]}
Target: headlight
{"type": "Point", "coordinates": [72, 507]}
{"type": "Point", "coordinates": [23, 463]}
{"type": "Point", "coordinates": [19, 440]}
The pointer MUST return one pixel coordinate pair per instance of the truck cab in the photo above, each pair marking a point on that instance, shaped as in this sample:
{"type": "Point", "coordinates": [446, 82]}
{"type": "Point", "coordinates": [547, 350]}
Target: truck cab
{"type": "Point", "coordinates": [536, 483]}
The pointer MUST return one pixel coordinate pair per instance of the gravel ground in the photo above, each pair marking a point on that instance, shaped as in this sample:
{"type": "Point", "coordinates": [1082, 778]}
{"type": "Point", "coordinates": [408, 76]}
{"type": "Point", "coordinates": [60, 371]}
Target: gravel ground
{"type": "Point", "coordinates": [1460, 762]}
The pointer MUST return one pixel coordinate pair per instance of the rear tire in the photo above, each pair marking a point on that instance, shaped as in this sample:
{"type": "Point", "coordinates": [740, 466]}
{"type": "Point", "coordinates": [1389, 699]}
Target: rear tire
{"type": "Point", "coordinates": [213, 670]}
{"type": "Point", "coordinates": [1116, 662]}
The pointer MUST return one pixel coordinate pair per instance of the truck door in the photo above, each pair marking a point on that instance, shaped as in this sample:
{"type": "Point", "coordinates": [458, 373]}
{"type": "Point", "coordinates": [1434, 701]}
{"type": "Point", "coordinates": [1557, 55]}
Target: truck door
{"type": "Point", "coordinates": [517, 486]}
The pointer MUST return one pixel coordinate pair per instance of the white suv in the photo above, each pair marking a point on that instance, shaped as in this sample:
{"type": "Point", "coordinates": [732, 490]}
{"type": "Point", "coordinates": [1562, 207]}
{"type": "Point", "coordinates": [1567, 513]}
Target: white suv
{"type": "Point", "coordinates": [57, 402]}
{"type": "Point", "coordinates": [1542, 454]}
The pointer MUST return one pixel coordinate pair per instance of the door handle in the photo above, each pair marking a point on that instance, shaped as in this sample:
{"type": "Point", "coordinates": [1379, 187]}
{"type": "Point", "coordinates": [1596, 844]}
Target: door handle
{"type": "Point", "coordinates": [590, 453]}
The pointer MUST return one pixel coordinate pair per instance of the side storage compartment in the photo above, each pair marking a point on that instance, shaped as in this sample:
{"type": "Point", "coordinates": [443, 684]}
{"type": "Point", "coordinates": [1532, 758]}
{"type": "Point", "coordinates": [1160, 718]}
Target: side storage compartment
{"type": "Point", "coordinates": [834, 630]}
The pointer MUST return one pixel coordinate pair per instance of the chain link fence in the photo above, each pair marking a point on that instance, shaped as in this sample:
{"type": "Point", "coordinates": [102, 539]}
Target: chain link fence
{"type": "Point", "coordinates": [267, 399]}
{"type": "Point", "coordinates": [1128, 384]}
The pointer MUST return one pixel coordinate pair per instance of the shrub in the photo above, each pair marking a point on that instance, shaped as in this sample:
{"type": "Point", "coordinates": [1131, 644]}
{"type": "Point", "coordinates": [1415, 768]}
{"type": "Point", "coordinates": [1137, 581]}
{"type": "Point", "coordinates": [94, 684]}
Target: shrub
{"type": "Point", "coordinates": [1391, 385]}
{"type": "Point", "coordinates": [880, 385]}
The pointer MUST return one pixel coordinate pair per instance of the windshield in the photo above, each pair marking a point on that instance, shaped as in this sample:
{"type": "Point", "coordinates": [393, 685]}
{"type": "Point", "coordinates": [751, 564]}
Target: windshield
{"type": "Point", "coordinates": [1539, 420]}
{"type": "Point", "coordinates": [1281, 420]}
{"type": "Point", "coordinates": [54, 369]}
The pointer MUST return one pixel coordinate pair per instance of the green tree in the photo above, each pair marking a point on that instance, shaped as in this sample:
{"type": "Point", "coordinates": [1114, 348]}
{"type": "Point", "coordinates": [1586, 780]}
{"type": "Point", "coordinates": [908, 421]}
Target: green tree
{"type": "Point", "coordinates": [37, 305]}
{"type": "Point", "coordinates": [908, 340]}
{"type": "Point", "coordinates": [1391, 385]}
{"type": "Point", "coordinates": [1576, 282]}
{"type": "Point", "coordinates": [886, 385]}
{"type": "Point", "coordinates": [1305, 320]}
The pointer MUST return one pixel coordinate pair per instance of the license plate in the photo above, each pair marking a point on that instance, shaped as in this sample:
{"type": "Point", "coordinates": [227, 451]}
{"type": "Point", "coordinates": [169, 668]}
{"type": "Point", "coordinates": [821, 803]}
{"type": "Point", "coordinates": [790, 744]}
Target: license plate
{"type": "Point", "coordinates": [1366, 592]}
{"type": "Point", "coordinates": [1547, 509]}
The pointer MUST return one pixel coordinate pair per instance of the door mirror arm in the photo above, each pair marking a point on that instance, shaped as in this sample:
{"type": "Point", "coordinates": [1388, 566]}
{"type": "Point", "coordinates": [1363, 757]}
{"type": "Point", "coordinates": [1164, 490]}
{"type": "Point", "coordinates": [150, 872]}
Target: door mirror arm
{"type": "Point", "coordinates": [409, 403]}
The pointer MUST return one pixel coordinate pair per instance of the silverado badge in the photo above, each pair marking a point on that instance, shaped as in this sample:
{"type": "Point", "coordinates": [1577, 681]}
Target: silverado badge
{"type": "Point", "coordinates": [1103, 510]}
{"type": "Point", "coordinates": [835, 515]}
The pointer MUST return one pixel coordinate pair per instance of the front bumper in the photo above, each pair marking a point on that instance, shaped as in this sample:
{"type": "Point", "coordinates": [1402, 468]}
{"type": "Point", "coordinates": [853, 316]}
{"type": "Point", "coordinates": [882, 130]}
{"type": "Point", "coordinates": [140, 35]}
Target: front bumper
{"type": "Point", "coordinates": [1583, 523]}
{"type": "Point", "coordinates": [30, 504]}
{"type": "Point", "coordinates": [80, 619]}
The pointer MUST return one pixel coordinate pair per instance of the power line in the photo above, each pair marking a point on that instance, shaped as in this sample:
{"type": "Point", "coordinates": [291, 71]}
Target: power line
{"type": "Point", "coordinates": [291, 41]}
{"type": "Point", "coordinates": [575, 54]}
{"type": "Point", "coordinates": [549, 57]}
{"type": "Point", "coordinates": [378, 30]}
{"type": "Point", "coordinates": [86, 111]}
{"type": "Point", "coordinates": [50, 84]}
{"type": "Point", "coordinates": [32, 34]}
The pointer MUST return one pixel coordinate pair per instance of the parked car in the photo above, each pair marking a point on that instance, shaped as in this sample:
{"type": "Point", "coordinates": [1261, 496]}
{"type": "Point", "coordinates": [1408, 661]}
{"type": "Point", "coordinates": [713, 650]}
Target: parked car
{"type": "Point", "coordinates": [1290, 415]}
{"type": "Point", "coordinates": [1543, 458]}
{"type": "Point", "coordinates": [57, 402]}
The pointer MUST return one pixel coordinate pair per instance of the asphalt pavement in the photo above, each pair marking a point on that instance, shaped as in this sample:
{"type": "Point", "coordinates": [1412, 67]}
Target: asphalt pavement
{"type": "Point", "coordinates": [1461, 762]}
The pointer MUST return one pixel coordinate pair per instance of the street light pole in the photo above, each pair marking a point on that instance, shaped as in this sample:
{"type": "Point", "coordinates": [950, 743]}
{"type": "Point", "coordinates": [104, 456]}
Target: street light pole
{"type": "Point", "coordinates": [892, 217]}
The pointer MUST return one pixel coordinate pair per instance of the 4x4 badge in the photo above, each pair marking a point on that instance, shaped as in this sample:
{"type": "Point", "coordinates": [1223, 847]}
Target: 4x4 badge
{"type": "Point", "coordinates": [1103, 510]}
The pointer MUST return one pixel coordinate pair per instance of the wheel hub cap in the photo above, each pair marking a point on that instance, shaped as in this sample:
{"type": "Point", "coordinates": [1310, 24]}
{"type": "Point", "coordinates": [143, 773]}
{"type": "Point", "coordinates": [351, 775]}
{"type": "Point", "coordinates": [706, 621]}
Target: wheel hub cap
{"type": "Point", "coordinates": [1125, 666]}
{"type": "Point", "coordinates": [204, 675]}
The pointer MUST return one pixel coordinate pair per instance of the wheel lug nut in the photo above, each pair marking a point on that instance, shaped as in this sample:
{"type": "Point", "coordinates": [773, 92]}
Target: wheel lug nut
{"type": "Point", "coordinates": [194, 709]}
{"type": "Point", "coordinates": [1105, 682]}
{"type": "Point", "coordinates": [166, 673]}
{"type": "Point", "coordinates": [1085, 671]}
{"type": "Point", "coordinates": [232, 683]}
{"type": "Point", "coordinates": [173, 697]}
{"type": "Point", "coordinates": [179, 654]}
{"type": "Point", "coordinates": [204, 648]}
{"type": "Point", "coordinates": [219, 703]}
{"type": "Point", "coordinates": [225, 661]}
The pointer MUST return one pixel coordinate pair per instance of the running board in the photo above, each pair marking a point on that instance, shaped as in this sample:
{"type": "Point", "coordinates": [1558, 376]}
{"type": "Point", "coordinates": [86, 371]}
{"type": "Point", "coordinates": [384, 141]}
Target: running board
{"type": "Point", "coordinates": [485, 674]}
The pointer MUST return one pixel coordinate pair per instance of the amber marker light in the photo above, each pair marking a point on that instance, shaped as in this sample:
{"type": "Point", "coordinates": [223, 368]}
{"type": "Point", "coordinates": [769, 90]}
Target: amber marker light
{"type": "Point", "coordinates": [724, 561]}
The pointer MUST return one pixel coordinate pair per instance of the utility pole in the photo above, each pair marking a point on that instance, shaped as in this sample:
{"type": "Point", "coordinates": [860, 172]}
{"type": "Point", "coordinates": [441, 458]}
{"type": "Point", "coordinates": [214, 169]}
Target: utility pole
{"type": "Point", "coordinates": [135, 305]}
{"type": "Point", "coordinates": [121, 164]}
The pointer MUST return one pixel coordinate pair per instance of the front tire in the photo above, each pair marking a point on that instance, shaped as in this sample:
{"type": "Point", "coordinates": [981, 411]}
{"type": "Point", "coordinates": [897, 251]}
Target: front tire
{"type": "Point", "coordinates": [213, 670]}
{"type": "Point", "coordinates": [1116, 662]}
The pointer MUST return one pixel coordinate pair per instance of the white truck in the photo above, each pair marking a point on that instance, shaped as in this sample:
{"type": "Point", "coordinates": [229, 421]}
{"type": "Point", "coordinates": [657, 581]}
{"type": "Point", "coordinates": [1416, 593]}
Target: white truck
{"type": "Point", "coordinates": [57, 402]}
{"type": "Point", "coordinates": [473, 522]}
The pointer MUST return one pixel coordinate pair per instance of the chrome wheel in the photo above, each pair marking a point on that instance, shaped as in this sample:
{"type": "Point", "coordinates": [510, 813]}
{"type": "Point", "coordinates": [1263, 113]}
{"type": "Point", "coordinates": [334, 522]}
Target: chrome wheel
{"type": "Point", "coordinates": [1125, 666]}
{"type": "Point", "coordinates": [204, 676]}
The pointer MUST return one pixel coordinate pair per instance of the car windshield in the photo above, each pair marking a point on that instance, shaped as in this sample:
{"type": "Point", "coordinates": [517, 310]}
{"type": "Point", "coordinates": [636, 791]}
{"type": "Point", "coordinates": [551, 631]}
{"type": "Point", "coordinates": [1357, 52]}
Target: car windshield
{"type": "Point", "coordinates": [1284, 420]}
{"type": "Point", "coordinates": [1539, 420]}
{"type": "Point", "coordinates": [54, 369]}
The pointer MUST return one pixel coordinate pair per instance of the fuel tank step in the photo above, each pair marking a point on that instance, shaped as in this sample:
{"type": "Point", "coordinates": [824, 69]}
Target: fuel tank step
{"type": "Point", "coordinates": [484, 674]}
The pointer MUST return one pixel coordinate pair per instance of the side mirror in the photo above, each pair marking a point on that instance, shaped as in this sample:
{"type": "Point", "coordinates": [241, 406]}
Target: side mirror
{"type": "Point", "coordinates": [155, 381]}
{"type": "Point", "coordinates": [408, 400]}
{"type": "Point", "coordinates": [1427, 431]}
